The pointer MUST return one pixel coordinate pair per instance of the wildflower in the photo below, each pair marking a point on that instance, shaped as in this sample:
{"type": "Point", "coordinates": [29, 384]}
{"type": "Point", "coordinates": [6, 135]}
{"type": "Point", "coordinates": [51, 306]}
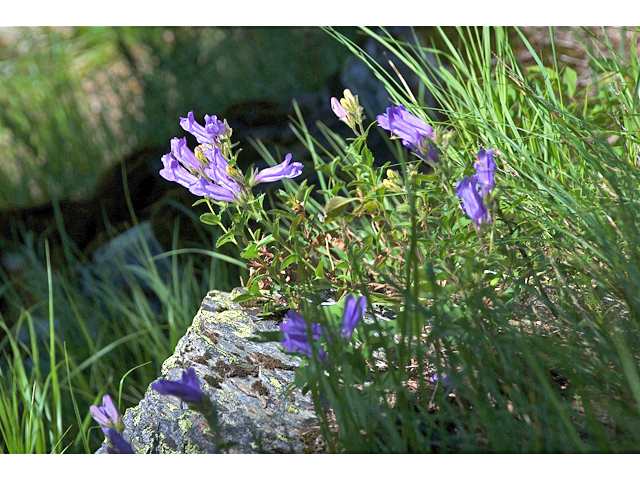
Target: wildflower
{"type": "Point", "coordinates": [207, 134]}
{"type": "Point", "coordinates": [353, 313]}
{"type": "Point", "coordinates": [183, 167]}
{"type": "Point", "coordinates": [413, 131]}
{"type": "Point", "coordinates": [339, 110]}
{"type": "Point", "coordinates": [474, 207]}
{"type": "Point", "coordinates": [175, 172]}
{"type": "Point", "coordinates": [295, 335]}
{"type": "Point", "coordinates": [218, 170]}
{"type": "Point", "coordinates": [272, 174]}
{"type": "Point", "coordinates": [119, 444]}
{"type": "Point", "coordinates": [485, 171]}
{"type": "Point", "coordinates": [188, 389]}
{"type": "Point", "coordinates": [445, 380]}
{"type": "Point", "coordinates": [107, 415]}
{"type": "Point", "coordinates": [348, 110]}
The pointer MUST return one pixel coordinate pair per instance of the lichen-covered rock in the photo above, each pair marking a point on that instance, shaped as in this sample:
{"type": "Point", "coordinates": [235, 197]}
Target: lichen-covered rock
{"type": "Point", "coordinates": [245, 379]}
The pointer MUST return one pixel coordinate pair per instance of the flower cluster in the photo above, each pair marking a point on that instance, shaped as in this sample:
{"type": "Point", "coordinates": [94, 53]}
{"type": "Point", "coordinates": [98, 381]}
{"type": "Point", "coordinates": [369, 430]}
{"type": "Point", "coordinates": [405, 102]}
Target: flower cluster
{"type": "Point", "coordinates": [414, 132]}
{"type": "Point", "coordinates": [296, 338]}
{"type": "Point", "coordinates": [348, 110]}
{"type": "Point", "coordinates": [473, 190]}
{"type": "Point", "coordinates": [206, 172]}
{"type": "Point", "coordinates": [188, 389]}
{"type": "Point", "coordinates": [112, 425]}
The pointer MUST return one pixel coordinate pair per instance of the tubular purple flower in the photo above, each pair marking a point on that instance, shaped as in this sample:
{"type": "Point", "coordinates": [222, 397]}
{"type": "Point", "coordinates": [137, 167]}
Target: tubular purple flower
{"type": "Point", "coordinates": [106, 414]}
{"type": "Point", "coordinates": [285, 170]}
{"type": "Point", "coordinates": [181, 166]}
{"type": "Point", "coordinates": [120, 445]}
{"type": "Point", "coordinates": [217, 170]}
{"type": "Point", "coordinates": [338, 109]}
{"type": "Point", "coordinates": [204, 188]}
{"type": "Point", "coordinates": [474, 207]}
{"type": "Point", "coordinates": [175, 172]}
{"type": "Point", "coordinates": [175, 162]}
{"type": "Point", "coordinates": [485, 171]}
{"type": "Point", "coordinates": [295, 335]}
{"type": "Point", "coordinates": [183, 153]}
{"type": "Point", "coordinates": [188, 389]}
{"type": "Point", "coordinates": [413, 131]}
{"type": "Point", "coordinates": [207, 134]}
{"type": "Point", "coordinates": [353, 313]}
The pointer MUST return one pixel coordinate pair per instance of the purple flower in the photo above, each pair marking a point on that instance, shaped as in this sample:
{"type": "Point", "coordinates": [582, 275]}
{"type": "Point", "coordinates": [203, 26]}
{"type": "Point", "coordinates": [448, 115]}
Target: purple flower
{"type": "Point", "coordinates": [295, 335]}
{"type": "Point", "coordinates": [188, 389]}
{"type": "Point", "coordinates": [414, 132]}
{"type": "Point", "coordinates": [353, 313]}
{"type": "Point", "coordinates": [445, 380]}
{"type": "Point", "coordinates": [485, 171]}
{"type": "Point", "coordinates": [175, 172]}
{"type": "Point", "coordinates": [181, 166]}
{"type": "Point", "coordinates": [120, 445]}
{"type": "Point", "coordinates": [207, 134]}
{"type": "Point", "coordinates": [217, 170]}
{"type": "Point", "coordinates": [338, 109]}
{"type": "Point", "coordinates": [285, 170]}
{"type": "Point", "coordinates": [474, 207]}
{"type": "Point", "coordinates": [106, 415]}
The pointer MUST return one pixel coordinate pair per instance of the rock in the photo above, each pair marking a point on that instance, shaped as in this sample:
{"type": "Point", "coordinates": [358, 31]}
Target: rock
{"type": "Point", "coordinates": [244, 378]}
{"type": "Point", "coordinates": [123, 252]}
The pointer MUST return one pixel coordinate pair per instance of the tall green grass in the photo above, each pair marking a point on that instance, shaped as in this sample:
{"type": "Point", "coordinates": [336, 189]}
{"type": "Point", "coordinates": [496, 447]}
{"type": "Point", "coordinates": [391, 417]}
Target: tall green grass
{"type": "Point", "coordinates": [534, 320]}
{"type": "Point", "coordinates": [51, 372]}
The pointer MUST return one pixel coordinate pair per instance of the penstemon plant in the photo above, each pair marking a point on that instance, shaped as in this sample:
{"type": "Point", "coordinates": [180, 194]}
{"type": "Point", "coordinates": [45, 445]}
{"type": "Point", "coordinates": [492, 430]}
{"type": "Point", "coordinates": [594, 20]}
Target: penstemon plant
{"type": "Point", "coordinates": [362, 231]}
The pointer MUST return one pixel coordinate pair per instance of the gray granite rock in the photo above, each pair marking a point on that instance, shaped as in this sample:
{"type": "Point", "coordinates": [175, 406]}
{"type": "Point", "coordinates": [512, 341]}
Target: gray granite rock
{"type": "Point", "coordinates": [247, 381]}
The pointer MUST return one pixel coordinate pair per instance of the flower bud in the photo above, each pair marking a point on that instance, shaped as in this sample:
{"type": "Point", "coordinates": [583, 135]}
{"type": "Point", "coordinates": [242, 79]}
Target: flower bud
{"type": "Point", "coordinates": [348, 110]}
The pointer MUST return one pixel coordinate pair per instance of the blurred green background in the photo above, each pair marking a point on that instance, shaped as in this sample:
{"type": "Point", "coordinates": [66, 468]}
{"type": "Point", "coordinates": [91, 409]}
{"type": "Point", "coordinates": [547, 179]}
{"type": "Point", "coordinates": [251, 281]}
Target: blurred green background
{"type": "Point", "coordinates": [74, 101]}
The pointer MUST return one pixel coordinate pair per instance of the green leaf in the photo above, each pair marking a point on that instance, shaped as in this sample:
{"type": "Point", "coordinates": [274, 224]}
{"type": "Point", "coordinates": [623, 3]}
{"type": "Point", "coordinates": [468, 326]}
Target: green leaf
{"type": "Point", "coordinates": [336, 206]}
{"type": "Point", "coordinates": [244, 297]}
{"type": "Point", "coordinates": [289, 260]}
{"type": "Point", "coordinates": [250, 252]}
{"type": "Point", "coordinates": [210, 218]}
{"type": "Point", "coordinates": [320, 270]}
{"type": "Point", "coordinates": [199, 201]}
{"type": "Point", "coordinates": [227, 237]}
{"type": "Point", "coordinates": [570, 79]}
